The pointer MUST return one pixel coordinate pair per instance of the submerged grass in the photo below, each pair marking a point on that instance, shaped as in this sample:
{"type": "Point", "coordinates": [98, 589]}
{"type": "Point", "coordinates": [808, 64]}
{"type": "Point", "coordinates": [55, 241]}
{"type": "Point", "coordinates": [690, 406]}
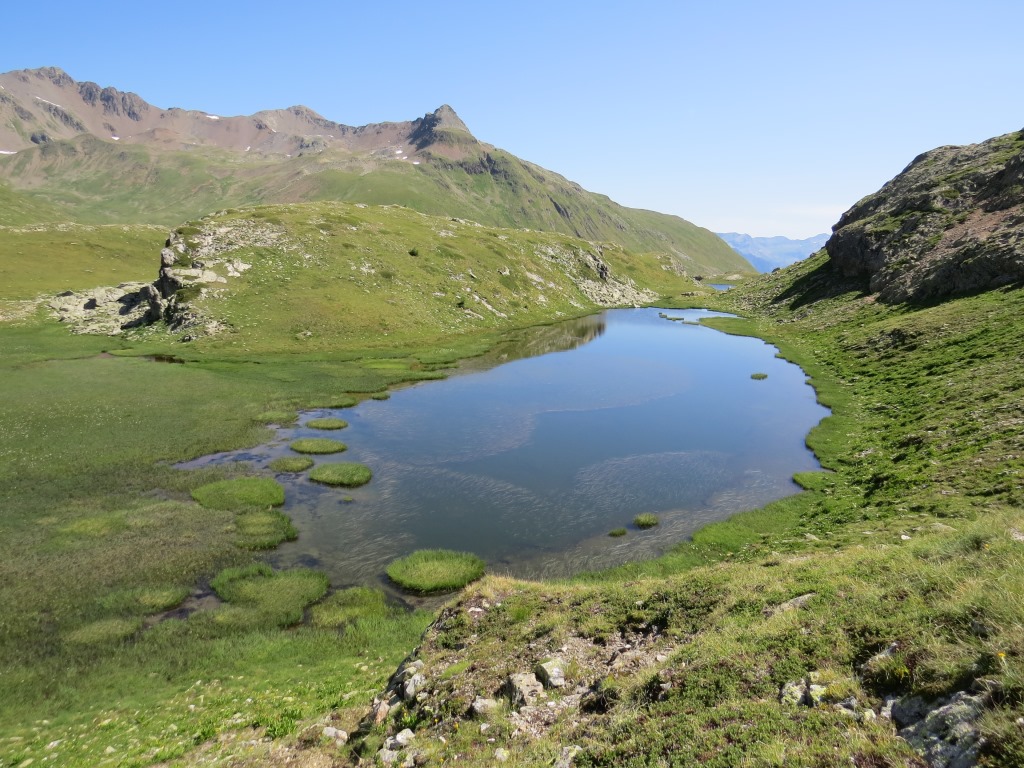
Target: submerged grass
{"type": "Point", "coordinates": [429, 571]}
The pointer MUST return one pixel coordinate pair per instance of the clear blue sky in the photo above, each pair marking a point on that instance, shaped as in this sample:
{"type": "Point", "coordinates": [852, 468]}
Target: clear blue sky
{"type": "Point", "coordinates": [759, 117]}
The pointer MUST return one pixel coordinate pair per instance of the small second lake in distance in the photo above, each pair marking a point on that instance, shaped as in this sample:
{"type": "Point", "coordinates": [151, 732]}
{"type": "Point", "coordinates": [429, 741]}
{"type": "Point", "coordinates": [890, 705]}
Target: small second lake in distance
{"type": "Point", "coordinates": [530, 463]}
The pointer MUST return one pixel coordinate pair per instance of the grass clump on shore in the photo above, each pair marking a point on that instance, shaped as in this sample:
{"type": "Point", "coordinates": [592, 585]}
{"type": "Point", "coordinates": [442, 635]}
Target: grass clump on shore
{"type": "Point", "coordinates": [430, 571]}
{"type": "Point", "coordinates": [349, 605]}
{"type": "Point", "coordinates": [263, 529]}
{"type": "Point", "coordinates": [239, 493]}
{"type": "Point", "coordinates": [348, 474]}
{"type": "Point", "coordinates": [260, 597]}
{"type": "Point", "coordinates": [645, 520]}
{"type": "Point", "coordinates": [319, 445]}
{"type": "Point", "coordinates": [291, 464]}
{"type": "Point", "coordinates": [276, 417]}
{"type": "Point", "coordinates": [327, 423]}
{"type": "Point", "coordinates": [104, 631]}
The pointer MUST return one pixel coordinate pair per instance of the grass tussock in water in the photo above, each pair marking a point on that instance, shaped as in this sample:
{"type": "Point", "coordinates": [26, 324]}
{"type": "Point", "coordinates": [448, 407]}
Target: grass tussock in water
{"type": "Point", "coordinates": [318, 445]}
{"type": "Point", "coordinates": [759, 376]}
{"type": "Point", "coordinates": [348, 474]}
{"type": "Point", "coordinates": [239, 493]}
{"type": "Point", "coordinates": [646, 520]}
{"type": "Point", "coordinates": [429, 571]}
{"type": "Point", "coordinates": [617, 532]}
{"type": "Point", "coordinates": [326, 423]}
{"type": "Point", "coordinates": [291, 464]}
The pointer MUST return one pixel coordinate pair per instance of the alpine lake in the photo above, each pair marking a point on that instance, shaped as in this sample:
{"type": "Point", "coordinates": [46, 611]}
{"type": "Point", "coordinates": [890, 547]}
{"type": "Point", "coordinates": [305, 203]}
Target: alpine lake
{"type": "Point", "coordinates": [530, 455]}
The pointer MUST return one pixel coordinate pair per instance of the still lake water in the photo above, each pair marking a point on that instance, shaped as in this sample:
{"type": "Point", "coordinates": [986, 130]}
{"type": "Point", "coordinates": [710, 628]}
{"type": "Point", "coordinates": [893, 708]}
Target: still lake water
{"type": "Point", "coordinates": [529, 461]}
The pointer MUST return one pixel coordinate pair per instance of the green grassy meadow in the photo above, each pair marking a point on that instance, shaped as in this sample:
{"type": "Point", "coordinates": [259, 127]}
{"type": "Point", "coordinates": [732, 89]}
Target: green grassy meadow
{"type": "Point", "coordinates": [911, 536]}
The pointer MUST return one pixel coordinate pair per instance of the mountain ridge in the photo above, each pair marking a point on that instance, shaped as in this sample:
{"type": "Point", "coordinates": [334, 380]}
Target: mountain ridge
{"type": "Point", "coordinates": [107, 156]}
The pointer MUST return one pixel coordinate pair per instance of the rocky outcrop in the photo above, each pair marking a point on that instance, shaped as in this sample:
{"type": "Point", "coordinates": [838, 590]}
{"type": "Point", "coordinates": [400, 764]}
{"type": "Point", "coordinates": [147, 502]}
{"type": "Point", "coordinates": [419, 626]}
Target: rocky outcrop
{"type": "Point", "coordinates": [105, 311]}
{"type": "Point", "coordinates": [951, 223]}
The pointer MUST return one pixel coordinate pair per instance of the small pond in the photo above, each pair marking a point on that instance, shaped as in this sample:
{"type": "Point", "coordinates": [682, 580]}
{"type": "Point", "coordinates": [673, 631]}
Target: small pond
{"type": "Point", "coordinates": [529, 461]}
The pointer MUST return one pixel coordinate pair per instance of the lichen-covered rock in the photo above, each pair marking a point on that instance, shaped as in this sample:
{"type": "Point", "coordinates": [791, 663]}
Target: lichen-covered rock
{"type": "Point", "coordinates": [951, 223]}
{"type": "Point", "coordinates": [948, 735]}
{"type": "Point", "coordinates": [551, 673]}
{"type": "Point", "coordinates": [522, 689]}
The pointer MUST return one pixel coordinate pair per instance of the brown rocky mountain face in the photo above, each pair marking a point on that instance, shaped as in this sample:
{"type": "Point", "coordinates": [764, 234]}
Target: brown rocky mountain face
{"type": "Point", "coordinates": [44, 105]}
{"type": "Point", "coordinates": [951, 223]}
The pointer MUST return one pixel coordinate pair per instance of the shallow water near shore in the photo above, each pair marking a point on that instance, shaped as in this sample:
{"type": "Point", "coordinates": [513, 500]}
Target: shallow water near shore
{"type": "Point", "coordinates": [530, 455]}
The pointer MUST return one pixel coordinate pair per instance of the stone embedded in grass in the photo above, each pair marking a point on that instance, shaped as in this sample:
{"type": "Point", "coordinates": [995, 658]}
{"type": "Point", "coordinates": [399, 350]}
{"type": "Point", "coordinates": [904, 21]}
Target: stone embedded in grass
{"type": "Point", "coordinates": [348, 474]}
{"type": "Point", "coordinates": [317, 445]}
{"type": "Point", "coordinates": [616, 532]}
{"type": "Point", "coordinates": [328, 423]}
{"type": "Point", "coordinates": [240, 493]}
{"type": "Point", "coordinates": [291, 464]}
{"type": "Point", "coordinates": [429, 571]}
{"type": "Point", "coordinates": [645, 520]}
{"type": "Point", "coordinates": [759, 376]}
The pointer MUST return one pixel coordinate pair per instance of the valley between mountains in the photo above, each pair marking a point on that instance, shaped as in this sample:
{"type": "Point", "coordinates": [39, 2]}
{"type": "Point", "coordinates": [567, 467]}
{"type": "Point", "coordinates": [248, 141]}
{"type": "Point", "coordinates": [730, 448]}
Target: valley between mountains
{"type": "Point", "coordinates": [175, 284]}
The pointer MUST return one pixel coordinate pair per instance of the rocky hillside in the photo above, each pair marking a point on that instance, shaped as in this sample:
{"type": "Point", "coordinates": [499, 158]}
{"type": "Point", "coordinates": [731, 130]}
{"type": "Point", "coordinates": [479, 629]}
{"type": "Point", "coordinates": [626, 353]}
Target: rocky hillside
{"type": "Point", "coordinates": [104, 156]}
{"type": "Point", "coordinates": [951, 223]}
{"type": "Point", "coordinates": [313, 276]}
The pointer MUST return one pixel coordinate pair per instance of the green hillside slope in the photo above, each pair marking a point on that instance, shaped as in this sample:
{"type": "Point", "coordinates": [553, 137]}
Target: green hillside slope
{"type": "Point", "coordinates": [318, 276]}
{"type": "Point", "coordinates": [96, 181]}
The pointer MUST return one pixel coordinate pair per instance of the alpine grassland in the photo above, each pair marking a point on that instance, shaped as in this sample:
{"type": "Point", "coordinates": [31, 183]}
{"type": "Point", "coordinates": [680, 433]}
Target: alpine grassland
{"type": "Point", "coordinates": [124, 638]}
{"type": "Point", "coordinates": [140, 628]}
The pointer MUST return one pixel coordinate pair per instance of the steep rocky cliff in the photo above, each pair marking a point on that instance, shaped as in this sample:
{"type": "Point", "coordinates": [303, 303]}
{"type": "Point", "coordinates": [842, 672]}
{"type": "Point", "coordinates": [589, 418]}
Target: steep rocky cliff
{"type": "Point", "coordinates": [951, 223]}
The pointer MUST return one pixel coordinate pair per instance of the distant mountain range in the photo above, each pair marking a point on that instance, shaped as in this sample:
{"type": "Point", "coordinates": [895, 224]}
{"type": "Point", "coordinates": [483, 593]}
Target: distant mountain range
{"type": "Point", "coordinates": [768, 253]}
{"type": "Point", "coordinates": [77, 151]}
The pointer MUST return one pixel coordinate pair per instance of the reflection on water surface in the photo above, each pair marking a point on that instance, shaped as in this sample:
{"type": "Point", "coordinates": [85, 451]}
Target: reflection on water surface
{"type": "Point", "coordinates": [529, 455]}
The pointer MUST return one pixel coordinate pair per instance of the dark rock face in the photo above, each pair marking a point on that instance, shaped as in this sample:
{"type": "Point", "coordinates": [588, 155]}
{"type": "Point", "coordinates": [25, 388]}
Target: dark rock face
{"type": "Point", "coordinates": [951, 223]}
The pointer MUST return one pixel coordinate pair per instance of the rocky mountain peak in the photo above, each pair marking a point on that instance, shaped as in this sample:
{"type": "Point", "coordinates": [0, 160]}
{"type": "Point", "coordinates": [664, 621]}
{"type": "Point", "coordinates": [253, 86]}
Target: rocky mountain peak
{"type": "Point", "coordinates": [447, 118]}
{"type": "Point", "coordinates": [440, 127]}
{"type": "Point", "coordinates": [952, 222]}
